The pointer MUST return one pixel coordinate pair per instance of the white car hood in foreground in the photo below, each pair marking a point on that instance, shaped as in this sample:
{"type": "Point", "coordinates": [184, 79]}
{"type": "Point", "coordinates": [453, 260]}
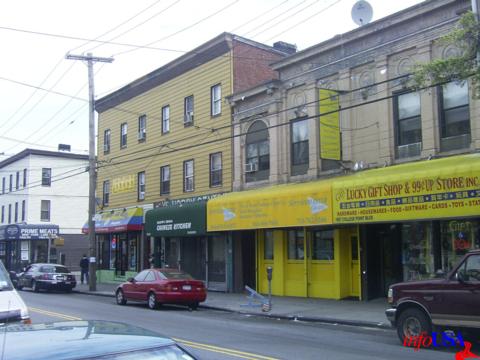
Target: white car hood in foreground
{"type": "Point", "coordinates": [12, 306]}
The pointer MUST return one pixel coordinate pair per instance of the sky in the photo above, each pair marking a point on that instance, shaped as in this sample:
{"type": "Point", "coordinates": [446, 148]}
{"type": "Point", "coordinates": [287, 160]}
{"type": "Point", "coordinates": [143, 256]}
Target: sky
{"type": "Point", "coordinates": [44, 97]}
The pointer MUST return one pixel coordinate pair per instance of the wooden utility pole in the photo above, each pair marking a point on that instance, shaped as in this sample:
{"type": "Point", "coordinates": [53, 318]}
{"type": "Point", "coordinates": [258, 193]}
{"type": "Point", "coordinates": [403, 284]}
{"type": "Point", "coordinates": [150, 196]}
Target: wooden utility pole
{"type": "Point", "coordinates": [92, 269]}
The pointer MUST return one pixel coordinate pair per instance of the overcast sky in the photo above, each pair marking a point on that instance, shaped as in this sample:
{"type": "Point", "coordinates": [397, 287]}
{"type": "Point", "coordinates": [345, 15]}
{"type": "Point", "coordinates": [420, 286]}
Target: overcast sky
{"type": "Point", "coordinates": [35, 36]}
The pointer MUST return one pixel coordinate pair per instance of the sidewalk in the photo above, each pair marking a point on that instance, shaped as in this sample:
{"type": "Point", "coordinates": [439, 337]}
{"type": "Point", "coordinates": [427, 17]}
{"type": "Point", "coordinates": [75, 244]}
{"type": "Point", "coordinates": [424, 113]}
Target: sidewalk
{"type": "Point", "coordinates": [345, 312]}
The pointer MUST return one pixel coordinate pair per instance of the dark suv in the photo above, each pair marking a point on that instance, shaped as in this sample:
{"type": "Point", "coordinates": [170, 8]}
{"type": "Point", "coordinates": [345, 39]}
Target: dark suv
{"type": "Point", "coordinates": [451, 302]}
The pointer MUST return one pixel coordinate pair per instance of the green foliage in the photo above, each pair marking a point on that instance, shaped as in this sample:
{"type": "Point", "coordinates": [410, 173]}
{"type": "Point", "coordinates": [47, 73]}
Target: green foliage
{"type": "Point", "coordinates": [459, 68]}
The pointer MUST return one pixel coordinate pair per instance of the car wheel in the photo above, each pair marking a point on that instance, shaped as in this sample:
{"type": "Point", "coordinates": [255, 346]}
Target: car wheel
{"type": "Point", "coordinates": [152, 301]}
{"type": "Point", "coordinates": [120, 297]}
{"type": "Point", "coordinates": [412, 322]}
{"type": "Point", "coordinates": [35, 286]}
{"type": "Point", "coordinates": [193, 306]}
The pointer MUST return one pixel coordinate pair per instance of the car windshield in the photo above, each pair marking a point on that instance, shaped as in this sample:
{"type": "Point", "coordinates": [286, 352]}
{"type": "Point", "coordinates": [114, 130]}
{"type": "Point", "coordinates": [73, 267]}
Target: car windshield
{"type": "Point", "coordinates": [175, 275]}
{"type": "Point", "coordinates": [54, 269]}
{"type": "Point", "coordinates": [172, 352]}
{"type": "Point", "coordinates": [5, 283]}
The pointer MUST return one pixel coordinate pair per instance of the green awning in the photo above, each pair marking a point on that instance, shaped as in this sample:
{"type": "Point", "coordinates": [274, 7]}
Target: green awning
{"type": "Point", "coordinates": [184, 220]}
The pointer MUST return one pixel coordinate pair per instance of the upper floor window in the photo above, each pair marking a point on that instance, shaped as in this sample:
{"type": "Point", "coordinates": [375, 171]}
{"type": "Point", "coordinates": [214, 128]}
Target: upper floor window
{"type": "Point", "coordinates": [216, 99]}
{"type": "Point", "coordinates": [9, 213]}
{"type": "Point", "coordinates": [3, 185]}
{"type": "Point", "coordinates": [216, 169]}
{"type": "Point", "coordinates": [257, 155]}
{"type": "Point", "coordinates": [408, 124]}
{"type": "Point", "coordinates": [16, 212]}
{"type": "Point", "coordinates": [23, 209]}
{"type": "Point", "coordinates": [106, 192]}
{"type": "Point", "coordinates": [142, 128]}
{"type": "Point", "coordinates": [24, 177]}
{"type": "Point", "coordinates": [123, 135]}
{"type": "Point", "coordinates": [46, 177]}
{"type": "Point", "coordinates": [299, 136]}
{"type": "Point", "coordinates": [45, 210]}
{"type": "Point", "coordinates": [165, 119]}
{"type": "Point", "coordinates": [106, 141]}
{"type": "Point", "coordinates": [188, 111]}
{"type": "Point", "coordinates": [141, 186]}
{"type": "Point", "coordinates": [188, 176]}
{"type": "Point", "coordinates": [10, 186]}
{"type": "Point", "coordinates": [454, 116]}
{"type": "Point", "coordinates": [3, 214]}
{"type": "Point", "coordinates": [17, 180]}
{"type": "Point", "coordinates": [165, 180]}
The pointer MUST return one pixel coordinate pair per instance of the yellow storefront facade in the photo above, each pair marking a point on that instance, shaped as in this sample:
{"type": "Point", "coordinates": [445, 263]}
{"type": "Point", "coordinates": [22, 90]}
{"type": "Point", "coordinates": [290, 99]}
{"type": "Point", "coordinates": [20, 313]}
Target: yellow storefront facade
{"type": "Point", "coordinates": [345, 236]}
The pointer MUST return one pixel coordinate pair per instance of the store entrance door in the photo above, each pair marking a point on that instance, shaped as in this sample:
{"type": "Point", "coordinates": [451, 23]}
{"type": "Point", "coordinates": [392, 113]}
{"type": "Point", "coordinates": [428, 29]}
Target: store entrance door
{"type": "Point", "coordinates": [354, 266]}
{"type": "Point", "coordinates": [216, 273]}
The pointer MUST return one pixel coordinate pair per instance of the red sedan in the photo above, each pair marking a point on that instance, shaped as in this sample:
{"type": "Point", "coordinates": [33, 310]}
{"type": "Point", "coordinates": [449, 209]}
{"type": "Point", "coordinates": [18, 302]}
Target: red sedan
{"type": "Point", "coordinates": [162, 286]}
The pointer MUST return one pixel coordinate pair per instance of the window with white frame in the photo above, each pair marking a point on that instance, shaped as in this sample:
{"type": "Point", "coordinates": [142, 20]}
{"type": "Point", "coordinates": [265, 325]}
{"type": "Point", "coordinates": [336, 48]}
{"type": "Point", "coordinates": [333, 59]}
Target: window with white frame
{"type": "Point", "coordinates": [106, 192]}
{"type": "Point", "coordinates": [216, 169]}
{"type": "Point", "coordinates": [24, 177]}
{"type": "Point", "coordinates": [188, 111]}
{"type": "Point", "coordinates": [24, 203]}
{"type": "Point", "coordinates": [45, 210]}
{"type": "Point", "coordinates": [188, 176]}
{"type": "Point", "coordinates": [300, 150]}
{"type": "Point", "coordinates": [166, 119]}
{"type": "Point", "coordinates": [46, 176]}
{"type": "Point", "coordinates": [9, 213]}
{"type": "Point", "coordinates": [165, 180]}
{"type": "Point", "coordinates": [216, 99]}
{"type": "Point", "coordinates": [10, 186]}
{"type": "Point", "coordinates": [141, 186]}
{"type": "Point", "coordinates": [407, 113]}
{"type": "Point", "coordinates": [123, 135]}
{"type": "Point", "coordinates": [17, 180]}
{"type": "Point", "coordinates": [16, 212]}
{"type": "Point", "coordinates": [3, 185]}
{"type": "Point", "coordinates": [142, 128]}
{"type": "Point", "coordinates": [106, 140]}
{"type": "Point", "coordinates": [3, 214]}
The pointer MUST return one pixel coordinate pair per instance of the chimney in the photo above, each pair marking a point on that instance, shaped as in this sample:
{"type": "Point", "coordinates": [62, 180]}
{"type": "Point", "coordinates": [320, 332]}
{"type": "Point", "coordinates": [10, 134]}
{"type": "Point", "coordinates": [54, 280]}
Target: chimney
{"type": "Point", "coordinates": [285, 47]}
{"type": "Point", "coordinates": [64, 147]}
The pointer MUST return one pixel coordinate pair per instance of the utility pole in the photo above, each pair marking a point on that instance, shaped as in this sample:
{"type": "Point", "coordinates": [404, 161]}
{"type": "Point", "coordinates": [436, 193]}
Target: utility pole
{"type": "Point", "coordinates": [92, 269]}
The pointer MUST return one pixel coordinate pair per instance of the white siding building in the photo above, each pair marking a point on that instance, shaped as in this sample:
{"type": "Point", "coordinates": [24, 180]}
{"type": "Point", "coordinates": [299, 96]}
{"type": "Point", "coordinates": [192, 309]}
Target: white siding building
{"type": "Point", "coordinates": [43, 190]}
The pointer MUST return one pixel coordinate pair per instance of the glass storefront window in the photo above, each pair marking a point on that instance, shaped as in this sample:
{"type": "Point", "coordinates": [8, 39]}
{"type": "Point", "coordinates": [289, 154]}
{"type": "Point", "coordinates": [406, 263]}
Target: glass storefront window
{"type": "Point", "coordinates": [322, 245]}
{"type": "Point", "coordinates": [295, 245]}
{"type": "Point", "coordinates": [458, 237]}
{"type": "Point", "coordinates": [268, 249]}
{"type": "Point", "coordinates": [417, 251]}
{"type": "Point", "coordinates": [132, 254]}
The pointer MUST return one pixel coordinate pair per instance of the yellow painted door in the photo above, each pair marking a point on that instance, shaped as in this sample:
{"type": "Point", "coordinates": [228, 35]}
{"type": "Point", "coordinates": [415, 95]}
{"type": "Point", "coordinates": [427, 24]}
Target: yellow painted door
{"type": "Point", "coordinates": [354, 266]}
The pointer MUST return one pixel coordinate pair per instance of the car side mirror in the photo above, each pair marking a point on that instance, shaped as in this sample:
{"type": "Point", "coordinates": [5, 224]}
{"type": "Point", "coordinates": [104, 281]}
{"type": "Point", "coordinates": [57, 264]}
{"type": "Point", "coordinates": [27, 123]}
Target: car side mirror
{"type": "Point", "coordinates": [460, 277]}
{"type": "Point", "coordinates": [131, 279]}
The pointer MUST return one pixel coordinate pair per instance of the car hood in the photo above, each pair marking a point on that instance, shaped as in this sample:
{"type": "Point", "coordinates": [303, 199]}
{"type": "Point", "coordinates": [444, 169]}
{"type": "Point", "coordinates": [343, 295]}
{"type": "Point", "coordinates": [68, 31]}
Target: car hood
{"type": "Point", "coordinates": [417, 284]}
{"type": "Point", "coordinates": [12, 306]}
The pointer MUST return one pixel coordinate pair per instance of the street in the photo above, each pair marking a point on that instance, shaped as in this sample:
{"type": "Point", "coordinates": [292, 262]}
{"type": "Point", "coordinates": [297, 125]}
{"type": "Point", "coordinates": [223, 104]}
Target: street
{"type": "Point", "coordinates": [220, 335]}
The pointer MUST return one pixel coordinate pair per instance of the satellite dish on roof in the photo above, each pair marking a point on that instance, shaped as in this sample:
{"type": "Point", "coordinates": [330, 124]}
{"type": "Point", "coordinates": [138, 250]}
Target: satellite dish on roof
{"type": "Point", "coordinates": [362, 12]}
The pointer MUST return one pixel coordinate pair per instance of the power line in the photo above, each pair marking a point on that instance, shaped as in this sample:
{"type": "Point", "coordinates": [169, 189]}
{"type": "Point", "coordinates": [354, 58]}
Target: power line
{"type": "Point", "coordinates": [259, 16]}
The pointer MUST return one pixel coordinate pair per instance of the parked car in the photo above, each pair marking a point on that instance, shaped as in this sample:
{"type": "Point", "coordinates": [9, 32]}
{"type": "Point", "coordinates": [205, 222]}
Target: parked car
{"type": "Point", "coordinates": [46, 276]}
{"type": "Point", "coordinates": [12, 307]}
{"type": "Point", "coordinates": [162, 286]}
{"type": "Point", "coordinates": [93, 339]}
{"type": "Point", "coordinates": [451, 302]}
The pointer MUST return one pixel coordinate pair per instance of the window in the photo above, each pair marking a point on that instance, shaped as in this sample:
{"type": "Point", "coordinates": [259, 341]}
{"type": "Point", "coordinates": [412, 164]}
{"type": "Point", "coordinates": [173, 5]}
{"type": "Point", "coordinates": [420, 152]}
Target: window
{"type": "Point", "coordinates": [407, 118]}
{"type": "Point", "coordinates": [165, 180]}
{"type": "Point", "coordinates": [295, 245]}
{"type": "Point", "coordinates": [3, 214]}
{"type": "Point", "coordinates": [257, 156]}
{"type": "Point", "coordinates": [3, 185]}
{"type": "Point", "coordinates": [9, 213]}
{"type": "Point", "coordinates": [268, 248]}
{"type": "Point", "coordinates": [299, 131]}
{"type": "Point", "coordinates": [16, 212]}
{"type": "Point", "coordinates": [17, 180]}
{"type": "Point", "coordinates": [216, 99]}
{"type": "Point", "coordinates": [10, 186]}
{"type": "Point", "coordinates": [142, 128]}
{"type": "Point", "coordinates": [322, 245]}
{"type": "Point", "coordinates": [215, 169]}
{"type": "Point", "coordinates": [188, 111]}
{"type": "Point", "coordinates": [150, 276]}
{"type": "Point", "coordinates": [106, 192]}
{"type": "Point", "coordinates": [45, 210]}
{"type": "Point", "coordinates": [123, 135]}
{"type": "Point", "coordinates": [188, 179]}
{"type": "Point", "coordinates": [24, 177]}
{"type": "Point", "coordinates": [165, 119]}
{"type": "Point", "coordinates": [141, 186]}
{"type": "Point", "coordinates": [106, 141]}
{"type": "Point", "coordinates": [46, 177]}
{"type": "Point", "coordinates": [23, 209]}
{"type": "Point", "coordinates": [471, 269]}
{"type": "Point", "coordinates": [454, 116]}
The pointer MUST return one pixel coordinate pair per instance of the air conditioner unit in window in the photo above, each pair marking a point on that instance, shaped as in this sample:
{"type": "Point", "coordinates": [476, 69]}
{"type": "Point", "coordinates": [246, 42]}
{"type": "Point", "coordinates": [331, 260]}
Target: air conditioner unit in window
{"type": "Point", "coordinates": [189, 117]}
{"type": "Point", "coordinates": [251, 167]}
{"type": "Point", "coordinates": [142, 134]}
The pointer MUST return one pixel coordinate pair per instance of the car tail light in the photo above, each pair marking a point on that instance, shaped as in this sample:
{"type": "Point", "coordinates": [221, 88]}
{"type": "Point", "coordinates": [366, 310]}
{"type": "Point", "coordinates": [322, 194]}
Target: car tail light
{"type": "Point", "coordinates": [27, 321]}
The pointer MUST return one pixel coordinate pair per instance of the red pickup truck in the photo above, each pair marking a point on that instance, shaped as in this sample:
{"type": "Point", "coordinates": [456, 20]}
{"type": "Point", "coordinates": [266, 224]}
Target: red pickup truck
{"type": "Point", "coordinates": [451, 302]}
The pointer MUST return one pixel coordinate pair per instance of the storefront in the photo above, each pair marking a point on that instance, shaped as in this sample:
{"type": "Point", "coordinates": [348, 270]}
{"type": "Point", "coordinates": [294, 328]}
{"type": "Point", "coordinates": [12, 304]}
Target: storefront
{"type": "Point", "coordinates": [119, 243]}
{"type": "Point", "coordinates": [179, 238]}
{"type": "Point", "coordinates": [414, 219]}
{"type": "Point", "coordinates": [24, 244]}
{"type": "Point", "coordinates": [294, 234]}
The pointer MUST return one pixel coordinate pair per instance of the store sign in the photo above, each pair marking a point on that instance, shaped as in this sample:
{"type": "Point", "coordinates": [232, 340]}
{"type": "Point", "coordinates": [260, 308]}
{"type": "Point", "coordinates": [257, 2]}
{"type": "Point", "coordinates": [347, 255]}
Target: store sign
{"type": "Point", "coordinates": [190, 200]}
{"type": "Point", "coordinates": [406, 196]}
{"type": "Point", "coordinates": [330, 143]}
{"type": "Point", "coordinates": [170, 225]}
{"type": "Point", "coordinates": [124, 184]}
{"type": "Point", "coordinates": [28, 232]}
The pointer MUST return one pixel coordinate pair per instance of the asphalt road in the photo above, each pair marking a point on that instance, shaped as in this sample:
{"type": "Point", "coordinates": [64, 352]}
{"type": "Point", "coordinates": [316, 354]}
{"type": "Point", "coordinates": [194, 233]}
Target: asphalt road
{"type": "Point", "coordinates": [220, 335]}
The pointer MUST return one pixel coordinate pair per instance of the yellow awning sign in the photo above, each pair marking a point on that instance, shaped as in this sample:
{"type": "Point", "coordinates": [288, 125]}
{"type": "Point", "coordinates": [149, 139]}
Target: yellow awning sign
{"type": "Point", "coordinates": [277, 206]}
{"type": "Point", "coordinates": [442, 188]}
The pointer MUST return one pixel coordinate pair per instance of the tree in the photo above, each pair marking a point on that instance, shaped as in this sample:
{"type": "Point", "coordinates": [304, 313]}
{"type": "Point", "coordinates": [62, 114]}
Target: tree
{"type": "Point", "coordinates": [464, 37]}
